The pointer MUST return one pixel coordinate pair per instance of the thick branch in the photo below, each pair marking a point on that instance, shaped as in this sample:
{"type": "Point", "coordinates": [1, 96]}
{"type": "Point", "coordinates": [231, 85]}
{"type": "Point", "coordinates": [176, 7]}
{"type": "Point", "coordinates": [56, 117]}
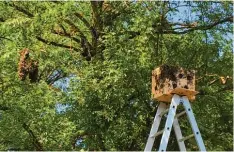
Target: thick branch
{"type": "Point", "coordinates": [189, 27]}
{"type": "Point", "coordinates": [207, 75]}
{"type": "Point", "coordinates": [55, 77]}
{"type": "Point", "coordinates": [55, 43]}
{"type": "Point", "coordinates": [91, 28]}
{"type": "Point", "coordinates": [87, 47]}
{"type": "Point", "coordinates": [83, 19]}
{"type": "Point", "coordinates": [3, 108]}
{"type": "Point", "coordinates": [64, 30]}
{"type": "Point", "coordinates": [79, 31]}
{"type": "Point", "coordinates": [1, 37]}
{"type": "Point", "coordinates": [66, 35]}
{"type": "Point", "coordinates": [26, 12]}
{"type": "Point", "coordinates": [204, 27]}
{"type": "Point", "coordinates": [2, 20]}
{"type": "Point", "coordinates": [36, 143]}
{"type": "Point", "coordinates": [96, 8]}
{"type": "Point", "coordinates": [226, 88]}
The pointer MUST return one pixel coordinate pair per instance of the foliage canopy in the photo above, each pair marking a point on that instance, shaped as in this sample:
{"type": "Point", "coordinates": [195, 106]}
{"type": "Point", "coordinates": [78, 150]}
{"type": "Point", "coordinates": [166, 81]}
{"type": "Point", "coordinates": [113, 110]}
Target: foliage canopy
{"type": "Point", "coordinates": [95, 61]}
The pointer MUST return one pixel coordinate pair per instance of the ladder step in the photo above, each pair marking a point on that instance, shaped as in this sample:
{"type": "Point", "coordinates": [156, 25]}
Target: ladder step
{"type": "Point", "coordinates": [180, 114]}
{"type": "Point", "coordinates": [160, 132]}
{"type": "Point", "coordinates": [157, 133]}
{"type": "Point", "coordinates": [186, 138]}
{"type": "Point", "coordinates": [164, 112]}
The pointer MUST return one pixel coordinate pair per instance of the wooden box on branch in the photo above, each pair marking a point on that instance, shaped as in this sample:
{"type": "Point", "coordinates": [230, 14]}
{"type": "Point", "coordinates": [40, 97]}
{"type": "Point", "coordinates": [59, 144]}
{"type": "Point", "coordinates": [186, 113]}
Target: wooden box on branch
{"type": "Point", "coordinates": [168, 80]}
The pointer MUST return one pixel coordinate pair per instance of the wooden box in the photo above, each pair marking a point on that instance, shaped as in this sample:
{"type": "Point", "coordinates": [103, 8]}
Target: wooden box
{"type": "Point", "coordinates": [169, 80]}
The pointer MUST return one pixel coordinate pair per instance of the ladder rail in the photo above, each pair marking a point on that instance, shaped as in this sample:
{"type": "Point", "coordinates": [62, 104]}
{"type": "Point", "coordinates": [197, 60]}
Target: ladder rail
{"type": "Point", "coordinates": [169, 122]}
{"type": "Point", "coordinates": [193, 123]}
{"type": "Point", "coordinates": [157, 119]}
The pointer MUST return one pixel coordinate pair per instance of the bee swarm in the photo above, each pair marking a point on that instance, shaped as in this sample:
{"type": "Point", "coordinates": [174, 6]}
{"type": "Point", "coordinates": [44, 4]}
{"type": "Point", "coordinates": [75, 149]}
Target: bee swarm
{"type": "Point", "coordinates": [168, 80]}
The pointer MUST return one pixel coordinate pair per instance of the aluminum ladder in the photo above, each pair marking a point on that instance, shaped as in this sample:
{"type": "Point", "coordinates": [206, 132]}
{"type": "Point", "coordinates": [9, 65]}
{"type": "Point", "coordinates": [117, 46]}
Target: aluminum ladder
{"type": "Point", "coordinates": [172, 119]}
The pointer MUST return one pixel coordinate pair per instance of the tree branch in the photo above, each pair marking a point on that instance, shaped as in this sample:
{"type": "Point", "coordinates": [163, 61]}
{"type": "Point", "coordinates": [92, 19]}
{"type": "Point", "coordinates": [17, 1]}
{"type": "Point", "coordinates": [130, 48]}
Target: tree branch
{"type": "Point", "coordinates": [53, 78]}
{"type": "Point", "coordinates": [36, 143]}
{"type": "Point", "coordinates": [1, 37]}
{"type": "Point", "coordinates": [55, 43]}
{"type": "Point", "coordinates": [26, 12]}
{"type": "Point", "coordinates": [2, 20]}
{"type": "Point", "coordinates": [207, 75]}
{"type": "Point", "coordinates": [204, 27]}
{"type": "Point", "coordinates": [82, 19]}
{"type": "Point", "coordinates": [190, 27]}
{"type": "Point", "coordinates": [96, 8]}
{"type": "Point", "coordinates": [88, 51]}
{"type": "Point", "coordinates": [91, 28]}
{"type": "Point", "coordinates": [66, 35]}
{"type": "Point", "coordinates": [226, 88]}
{"type": "Point", "coordinates": [79, 31]}
{"type": "Point", "coordinates": [4, 108]}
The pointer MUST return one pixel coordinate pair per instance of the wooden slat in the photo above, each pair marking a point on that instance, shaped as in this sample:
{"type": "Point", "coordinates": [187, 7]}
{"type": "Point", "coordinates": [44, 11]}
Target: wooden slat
{"type": "Point", "coordinates": [185, 92]}
{"type": "Point", "coordinates": [180, 91]}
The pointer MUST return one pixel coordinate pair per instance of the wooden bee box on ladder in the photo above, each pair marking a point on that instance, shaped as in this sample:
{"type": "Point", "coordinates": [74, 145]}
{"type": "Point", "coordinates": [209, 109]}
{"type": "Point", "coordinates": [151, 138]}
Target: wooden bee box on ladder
{"type": "Point", "coordinates": [168, 80]}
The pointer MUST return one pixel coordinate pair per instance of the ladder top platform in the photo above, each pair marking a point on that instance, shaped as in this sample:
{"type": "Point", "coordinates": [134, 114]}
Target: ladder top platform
{"type": "Point", "coordinates": [179, 91]}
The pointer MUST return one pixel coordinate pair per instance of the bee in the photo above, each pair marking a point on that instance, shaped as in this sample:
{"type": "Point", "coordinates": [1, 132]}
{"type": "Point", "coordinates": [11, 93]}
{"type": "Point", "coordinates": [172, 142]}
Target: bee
{"type": "Point", "coordinates": [27, 67]}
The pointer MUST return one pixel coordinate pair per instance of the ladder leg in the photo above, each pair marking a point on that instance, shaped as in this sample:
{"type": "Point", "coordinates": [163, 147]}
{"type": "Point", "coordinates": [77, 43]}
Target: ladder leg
{"type": "Point", "coordinates": [170, 119]}
{"type": "Point", "coordinates": [193, 123]}
{"type": "Point", "coordinates": [162, 107]}
{"type": "Point", "coordinates": [178, 134]}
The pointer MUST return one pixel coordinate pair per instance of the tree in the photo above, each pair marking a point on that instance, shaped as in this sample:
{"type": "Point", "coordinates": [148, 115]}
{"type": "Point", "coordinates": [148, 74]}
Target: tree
{"type": "Point", "coordinates": [103, 52]}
